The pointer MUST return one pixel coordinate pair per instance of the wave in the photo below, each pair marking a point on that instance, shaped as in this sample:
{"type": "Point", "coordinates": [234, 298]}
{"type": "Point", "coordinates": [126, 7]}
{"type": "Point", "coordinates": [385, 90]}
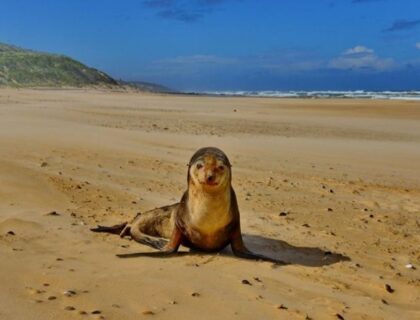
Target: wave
{"type": "Point", "coordinates": [357, 94]}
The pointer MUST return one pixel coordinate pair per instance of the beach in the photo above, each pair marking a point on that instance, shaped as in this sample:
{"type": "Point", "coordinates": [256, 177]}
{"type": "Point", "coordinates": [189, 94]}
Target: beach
{"type": "Point", "coordinates": [331, 186]}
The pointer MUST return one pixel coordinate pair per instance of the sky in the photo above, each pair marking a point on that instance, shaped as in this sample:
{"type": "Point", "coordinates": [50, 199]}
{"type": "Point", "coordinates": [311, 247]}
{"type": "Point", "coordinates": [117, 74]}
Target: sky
{"type": "Point", "coordinates": [205, 45]}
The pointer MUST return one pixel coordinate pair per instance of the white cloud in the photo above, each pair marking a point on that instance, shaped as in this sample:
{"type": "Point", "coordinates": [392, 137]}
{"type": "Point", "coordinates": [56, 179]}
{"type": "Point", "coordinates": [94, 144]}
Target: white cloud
{"type": "Point", "coordinates": [360, 57]}
{"type": "Point", "coordinates": [357, 50]}
{"type": "Point", "coordinates": [418, 45]}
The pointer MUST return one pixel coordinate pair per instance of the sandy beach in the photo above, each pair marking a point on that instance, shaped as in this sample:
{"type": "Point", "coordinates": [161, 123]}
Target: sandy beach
{"type": "Point", "coordinates": [330, 186]}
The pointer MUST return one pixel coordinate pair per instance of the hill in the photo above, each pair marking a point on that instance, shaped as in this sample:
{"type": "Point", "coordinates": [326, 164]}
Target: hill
{"type": "Point", "coordinates": [147, 86]}
{"type": "Point", "coordinates": [27, 68]}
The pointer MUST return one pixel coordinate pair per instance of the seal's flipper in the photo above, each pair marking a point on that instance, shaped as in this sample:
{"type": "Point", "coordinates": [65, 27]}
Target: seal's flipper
{"type": "Point", "coordinates": [116, 229]}
{"type": "Point", "coordinates": [154, 242]}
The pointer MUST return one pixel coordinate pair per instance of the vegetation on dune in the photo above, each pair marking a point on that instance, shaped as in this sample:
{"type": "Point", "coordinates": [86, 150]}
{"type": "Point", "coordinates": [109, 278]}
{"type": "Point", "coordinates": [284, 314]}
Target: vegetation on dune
{"type": "Point", "coordinates": [26, 68]}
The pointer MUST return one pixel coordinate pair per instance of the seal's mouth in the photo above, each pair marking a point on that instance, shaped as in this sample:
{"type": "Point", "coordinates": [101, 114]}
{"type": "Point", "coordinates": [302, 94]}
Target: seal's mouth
{"type": "Point", "coordinates": [210, 183]}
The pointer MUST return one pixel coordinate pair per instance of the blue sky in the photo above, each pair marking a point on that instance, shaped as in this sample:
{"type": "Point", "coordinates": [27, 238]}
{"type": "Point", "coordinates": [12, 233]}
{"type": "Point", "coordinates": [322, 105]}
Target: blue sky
{"type": "Point", "coordinates": [230, 44]}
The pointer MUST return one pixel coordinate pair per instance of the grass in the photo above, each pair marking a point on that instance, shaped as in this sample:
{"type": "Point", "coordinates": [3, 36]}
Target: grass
{"type": "Point", "coordinates": [25, 68]}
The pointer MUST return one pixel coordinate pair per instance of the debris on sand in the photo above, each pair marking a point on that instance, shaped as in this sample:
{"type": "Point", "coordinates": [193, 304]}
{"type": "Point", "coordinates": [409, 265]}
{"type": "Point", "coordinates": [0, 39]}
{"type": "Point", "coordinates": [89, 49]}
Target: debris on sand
{"type": "Point", "coordinates": [69, 308]}
{"type": "Point", "coordinates": [53, 214]}
{"type": "Point", "coordinates": [389, 288]}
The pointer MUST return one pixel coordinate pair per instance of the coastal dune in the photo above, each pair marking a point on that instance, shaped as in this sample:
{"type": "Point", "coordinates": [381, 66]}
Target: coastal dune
{"type": "Point", "coordinates": [331, 186]}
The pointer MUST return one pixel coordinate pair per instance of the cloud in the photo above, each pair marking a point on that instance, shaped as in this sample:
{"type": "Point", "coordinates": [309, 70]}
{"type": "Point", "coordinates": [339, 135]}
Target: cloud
{"type": "Point", "coordinates": [183, 10]}
{"type": "Point", "coordinates": [299, 63]}
{"type": "Point", "coordinates": [283, 62]}
{"type": "Point", "coordinates": [418, 45]}
{"type": "Point", "coordinates": [402, 24]}
{"type": "Point", "coordinates": [360, 58]}
{"type": "Point", "coordinates": [357, 49]}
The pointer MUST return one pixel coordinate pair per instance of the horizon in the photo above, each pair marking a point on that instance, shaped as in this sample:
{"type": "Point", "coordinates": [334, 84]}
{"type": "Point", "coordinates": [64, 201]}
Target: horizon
{"type": "Point", "coordinates": [226, 45]}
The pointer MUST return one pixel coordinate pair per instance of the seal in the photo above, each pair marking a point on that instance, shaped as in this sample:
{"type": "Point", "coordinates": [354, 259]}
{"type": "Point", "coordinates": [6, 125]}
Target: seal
{"type": "Point", "coordinates": [206, 219]}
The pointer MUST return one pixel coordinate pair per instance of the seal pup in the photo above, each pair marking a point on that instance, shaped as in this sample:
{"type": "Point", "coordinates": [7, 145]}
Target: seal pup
{"type": "Point", "coordinates": [206, 219]}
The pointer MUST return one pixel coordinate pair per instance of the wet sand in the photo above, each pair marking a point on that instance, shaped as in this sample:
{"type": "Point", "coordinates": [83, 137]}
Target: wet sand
{"type": "Point", "coordinates": [330, 186]}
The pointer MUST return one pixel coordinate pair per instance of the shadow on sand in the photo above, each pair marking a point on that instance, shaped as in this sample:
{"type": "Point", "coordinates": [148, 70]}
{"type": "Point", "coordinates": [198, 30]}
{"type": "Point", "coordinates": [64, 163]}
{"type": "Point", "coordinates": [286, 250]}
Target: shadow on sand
{"type": "Point", "coordinates": [304, 256]}
{"type": "Point", "coordinates": [274, 249]}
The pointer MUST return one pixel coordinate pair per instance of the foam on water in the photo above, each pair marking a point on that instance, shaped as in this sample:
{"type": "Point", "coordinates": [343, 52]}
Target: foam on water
{"type": "Point", "coordinates": [357, 94]}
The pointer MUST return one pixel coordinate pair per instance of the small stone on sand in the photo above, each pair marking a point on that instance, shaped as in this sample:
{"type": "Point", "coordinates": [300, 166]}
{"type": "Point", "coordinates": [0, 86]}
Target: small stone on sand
{"type": "Point", "coordinates": [389, 288]}
{"type": "Point", "coordinates": [69, 293]}
{"type": "Point", "coordinates": [69, 308]}
{"type": "Point", "coordinates": [148, 313]}
{"type": "Point", "coordinates": [52, 213]}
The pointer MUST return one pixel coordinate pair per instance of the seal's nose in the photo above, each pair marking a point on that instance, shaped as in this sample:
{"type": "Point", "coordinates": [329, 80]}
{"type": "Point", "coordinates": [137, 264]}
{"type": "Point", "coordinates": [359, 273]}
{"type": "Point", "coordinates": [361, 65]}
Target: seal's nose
{"type": "Point", "coordinates": [210, 178]}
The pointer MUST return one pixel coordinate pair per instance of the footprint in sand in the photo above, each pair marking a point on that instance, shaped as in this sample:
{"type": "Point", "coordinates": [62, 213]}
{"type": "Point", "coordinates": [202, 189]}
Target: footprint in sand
{"type": "Point", "coordinates": [20, 227]}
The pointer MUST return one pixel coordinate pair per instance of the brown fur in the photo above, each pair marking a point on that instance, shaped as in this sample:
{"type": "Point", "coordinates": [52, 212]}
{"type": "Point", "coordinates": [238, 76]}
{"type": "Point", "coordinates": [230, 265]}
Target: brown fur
{"type": "Point", "coordinates": [192, 222]}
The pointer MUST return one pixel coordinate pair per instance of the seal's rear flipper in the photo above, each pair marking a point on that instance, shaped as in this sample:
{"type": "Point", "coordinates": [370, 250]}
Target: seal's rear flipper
{"type": "Point", "coordinates": [154, 242]}
{"type": "Point", "coordinates": [117, 229]}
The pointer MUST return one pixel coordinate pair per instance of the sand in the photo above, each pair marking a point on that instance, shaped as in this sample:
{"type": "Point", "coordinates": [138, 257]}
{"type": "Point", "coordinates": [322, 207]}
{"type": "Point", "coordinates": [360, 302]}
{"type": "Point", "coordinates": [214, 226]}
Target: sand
{"type": "Point", "coordinates": [330, 186]}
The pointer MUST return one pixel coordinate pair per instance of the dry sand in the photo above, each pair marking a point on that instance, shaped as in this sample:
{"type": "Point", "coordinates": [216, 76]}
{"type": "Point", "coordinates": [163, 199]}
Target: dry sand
{"type": "Point", "coordinates": [331, 186]}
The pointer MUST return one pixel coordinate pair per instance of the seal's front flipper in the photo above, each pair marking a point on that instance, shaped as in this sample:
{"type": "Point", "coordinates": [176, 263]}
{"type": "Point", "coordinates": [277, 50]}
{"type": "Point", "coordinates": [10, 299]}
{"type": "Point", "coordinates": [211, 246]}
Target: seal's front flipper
{"type": "Point", "coordinates": [112, 229]}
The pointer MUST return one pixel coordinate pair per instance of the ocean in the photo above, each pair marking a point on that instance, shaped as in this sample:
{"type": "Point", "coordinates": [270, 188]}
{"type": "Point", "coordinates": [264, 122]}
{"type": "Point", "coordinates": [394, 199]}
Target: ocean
{"type": "Point", "coordinates": [358, 94]}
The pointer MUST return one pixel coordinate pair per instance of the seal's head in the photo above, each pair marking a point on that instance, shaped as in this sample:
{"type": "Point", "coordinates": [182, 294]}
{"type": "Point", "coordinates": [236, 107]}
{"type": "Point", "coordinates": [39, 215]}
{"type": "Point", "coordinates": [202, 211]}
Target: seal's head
{"type": "Point", "coordinates": [209, 170]}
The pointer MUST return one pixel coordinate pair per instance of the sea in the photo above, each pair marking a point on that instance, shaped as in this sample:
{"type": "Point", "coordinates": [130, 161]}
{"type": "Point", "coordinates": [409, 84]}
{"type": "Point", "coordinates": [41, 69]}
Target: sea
{"type": "Point", "coordinates": [358, 94]}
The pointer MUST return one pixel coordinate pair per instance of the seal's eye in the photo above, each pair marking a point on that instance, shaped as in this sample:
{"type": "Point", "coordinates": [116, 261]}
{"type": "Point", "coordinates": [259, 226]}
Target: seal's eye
{"type": "Point", "coordinates": [199, 166]}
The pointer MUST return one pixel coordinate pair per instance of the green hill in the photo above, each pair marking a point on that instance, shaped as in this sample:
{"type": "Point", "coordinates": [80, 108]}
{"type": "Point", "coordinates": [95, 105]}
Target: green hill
{"type": "Point", "coordinates": [26, 68]}
{"type": "Point", "coordinates": [146, 86]}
